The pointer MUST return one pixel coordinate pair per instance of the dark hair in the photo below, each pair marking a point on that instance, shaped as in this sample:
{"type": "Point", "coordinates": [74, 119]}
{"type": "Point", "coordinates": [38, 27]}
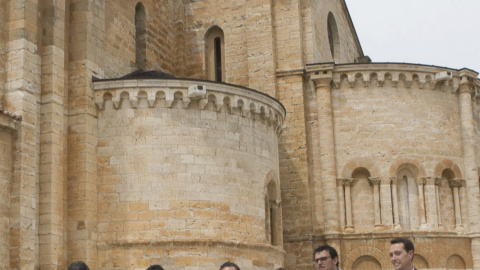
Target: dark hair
{"type": "Point", "coordinates": [333, 253]}
{"type": "Point", "coordinates": [155, 267]}
{"type": "Point", "coordinates": [226, 264]}
{"type": "Point", "coordinates": [78, 265]}
{"type": "Point", "coordinates": [281, 268]}
{"type": "Point", "coordinates": [407, 243]}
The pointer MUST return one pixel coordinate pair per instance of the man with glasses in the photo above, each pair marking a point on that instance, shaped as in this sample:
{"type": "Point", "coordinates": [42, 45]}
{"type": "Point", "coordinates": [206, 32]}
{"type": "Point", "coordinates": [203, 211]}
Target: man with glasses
{"type": "Point", "coordinates": [325, 258]}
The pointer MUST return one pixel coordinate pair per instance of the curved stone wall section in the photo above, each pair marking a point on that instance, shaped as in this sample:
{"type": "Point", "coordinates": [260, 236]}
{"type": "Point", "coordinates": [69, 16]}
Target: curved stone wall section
{"type": "Point", "coordinates": [176, 165]}
{"type": "Point", "coordinates": [399, 145]}
{"type": "Point", "coordinates": [175, 94]}
{"type": "Point", "coordinates": [411, 111]}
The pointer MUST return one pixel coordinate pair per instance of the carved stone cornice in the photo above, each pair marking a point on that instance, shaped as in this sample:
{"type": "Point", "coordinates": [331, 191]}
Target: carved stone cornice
{"type": "Point", "coordinates": [168, 92]}
{"type": "Point", "coordinates": [377, 74]}
{"type": "Point", "coordinates": [9, 120]}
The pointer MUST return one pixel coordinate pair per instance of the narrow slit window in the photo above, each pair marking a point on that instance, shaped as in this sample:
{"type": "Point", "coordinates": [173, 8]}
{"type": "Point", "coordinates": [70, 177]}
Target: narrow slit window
{"type": "Point", "coordinates": [215, 54]}
{"type": "Point", "coordinates": [218, 59]}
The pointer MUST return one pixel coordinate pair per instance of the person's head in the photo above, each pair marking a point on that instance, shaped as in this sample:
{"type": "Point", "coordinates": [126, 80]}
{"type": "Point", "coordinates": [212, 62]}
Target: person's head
{"type": "Point", "coordinates": [401, 253]}
{"type": "Point", "coordinates": [155, 267]}
{"type": "Point", "coordinates": [281, 268]}
{"type": "Point", "coordinates": [78, 265]}
{"type": "Point", "coordinates": [229, 266]}
{"type": "Point", "coordinates": [325, 258]}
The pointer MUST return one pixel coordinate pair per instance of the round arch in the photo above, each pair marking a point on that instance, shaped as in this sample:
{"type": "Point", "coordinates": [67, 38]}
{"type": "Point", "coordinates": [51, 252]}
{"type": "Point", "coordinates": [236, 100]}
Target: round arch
{"type": "Point", "coordinates": [362, 251]}
{"type": "Point", "coordinates": [447, 164]}
{"type": "Point", "coordinates": [399, 163]}
{"type": "Point", "coordinates": [364, 162]}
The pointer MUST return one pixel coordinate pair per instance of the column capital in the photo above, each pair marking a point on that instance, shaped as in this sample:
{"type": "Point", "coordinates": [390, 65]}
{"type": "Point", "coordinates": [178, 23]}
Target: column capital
{"type": "Point", "coordinates": [438, 181]}
{"type": "Point", "coordinates": [347, 181]}
{"type": "Point", "coordinates": [321, 74]}
{"type": "Point", "coordinates": [455, 183]}
{"type": "Point", "coordinates": [374, 180]}
{"type": "Point", "coordinates": [421, 181]}
{"type": "Point", "coordinates": [428, 180]}
{"type": "Point", "coordinates": [467, 82]}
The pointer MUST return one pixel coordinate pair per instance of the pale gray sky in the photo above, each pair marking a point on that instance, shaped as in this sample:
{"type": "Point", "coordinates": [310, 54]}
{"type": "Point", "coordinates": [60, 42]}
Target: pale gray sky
{"type": "Point", "coordinates": [432, 32]}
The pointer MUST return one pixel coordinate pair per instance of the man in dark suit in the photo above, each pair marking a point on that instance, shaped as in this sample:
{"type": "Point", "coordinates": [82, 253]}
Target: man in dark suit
{"type": "Point", "coordinates": [401, 253]}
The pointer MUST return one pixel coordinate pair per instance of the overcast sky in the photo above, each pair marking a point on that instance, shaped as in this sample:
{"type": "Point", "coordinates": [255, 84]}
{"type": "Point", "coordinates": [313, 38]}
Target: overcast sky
{"type": "Point", "coordinates": [432, 32]}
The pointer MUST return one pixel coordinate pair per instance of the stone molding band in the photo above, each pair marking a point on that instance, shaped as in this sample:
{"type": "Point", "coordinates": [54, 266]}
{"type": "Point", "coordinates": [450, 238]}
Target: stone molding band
{"type": "Point", "coordinates": [249, 103]}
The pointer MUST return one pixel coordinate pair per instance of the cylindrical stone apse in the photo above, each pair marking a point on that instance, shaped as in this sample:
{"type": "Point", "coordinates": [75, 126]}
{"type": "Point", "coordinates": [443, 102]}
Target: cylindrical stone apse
{"type": "Point", "coordinates": [188, 175]}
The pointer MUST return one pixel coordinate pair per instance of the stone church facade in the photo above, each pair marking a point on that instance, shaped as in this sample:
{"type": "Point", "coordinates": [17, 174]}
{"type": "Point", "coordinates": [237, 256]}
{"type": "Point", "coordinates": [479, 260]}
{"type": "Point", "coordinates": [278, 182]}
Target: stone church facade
{"type": "Point", "coordinates": [188, 133]}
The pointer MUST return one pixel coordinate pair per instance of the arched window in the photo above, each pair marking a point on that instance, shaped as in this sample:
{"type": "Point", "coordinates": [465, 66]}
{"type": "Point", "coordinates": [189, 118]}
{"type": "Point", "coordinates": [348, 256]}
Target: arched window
{"type": "Point", "coordinates": [408, 201]}
{"type": "Point", "coordinates": [333, 37]}
{"type": "Point", "coordinates": [362, 200]}
{"type": "Point", "coordinates": [273, 214]}
{"type": "Point", "coordinates": [140, 36]}
{"type": "Point", "coordinates": [215, 53]}
{"type": "Point", "coordinates": [446, 200]}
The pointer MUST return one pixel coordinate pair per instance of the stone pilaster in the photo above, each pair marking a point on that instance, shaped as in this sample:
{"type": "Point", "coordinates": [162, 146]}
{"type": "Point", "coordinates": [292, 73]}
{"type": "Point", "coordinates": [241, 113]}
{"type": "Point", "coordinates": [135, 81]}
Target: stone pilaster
{"type": "Point", "coordinates": [396, 213]}
{"type": "Point", "coordinates": [466, 87]}
{"type": "Point", "coordinates": [21, 97]}
{"type": "Point", "coordinates": [421, 202]}
{"type": "Point", "coordinates": [322, 80]}
{"type": "Point", "coordinates": [375, 182]}
{"type": "Point", "coordinates": [341, 202]}
{"type": "Point", "coordinates": [347, 187]}
{"type": "Point", "coordinates": [455, 184]}
{"type": "Point", "coordinates": [52, 137]}
{"type": "Point", "coordinates": [386, 209]}
{"type": "Point", "coordinates": [438, 182]}
{"type": "Point", "coordinates": [7, 133]}
{"type": "Point", "coordinates": [314, 166]}
{"type": "Point", "coordinates": [431, 203]}
{"type": "Point", "coordinates": [3, 49]}
{"type": "Point", "coordinates": [87, 21]}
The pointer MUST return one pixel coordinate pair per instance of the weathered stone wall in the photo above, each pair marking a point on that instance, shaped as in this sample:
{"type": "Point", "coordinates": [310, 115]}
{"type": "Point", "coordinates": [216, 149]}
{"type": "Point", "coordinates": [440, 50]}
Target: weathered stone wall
{"type": "Point", "coordinates": [5, 177]}
{"type": "Point", "coordinates": [51, 207]}
{"type": "Point", "coordinates": [120, 37]}
{"type": "Point", "coordinates": [3, 44]}
{"type": "Point", "coordinates": [86, 57]}
{"type": "Point", "coordinates": [231, 17]}
{"type": "Point", "coordinates": [414, 122]}
{"type": "Point", "coordinates": [202, 255]}
{"type": "Point", "coordinates": [397, 121]}
{"type": "Point", "coordinates": [139, 188]}
{"type": "Point", "coordinates": [171, 172]}
{"type": "Point", "coordinates": [476, 123]}
{"type": "Point", "coordinates": [22, 94]}
{"type": "Point", "coordinates": [348, 50]}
